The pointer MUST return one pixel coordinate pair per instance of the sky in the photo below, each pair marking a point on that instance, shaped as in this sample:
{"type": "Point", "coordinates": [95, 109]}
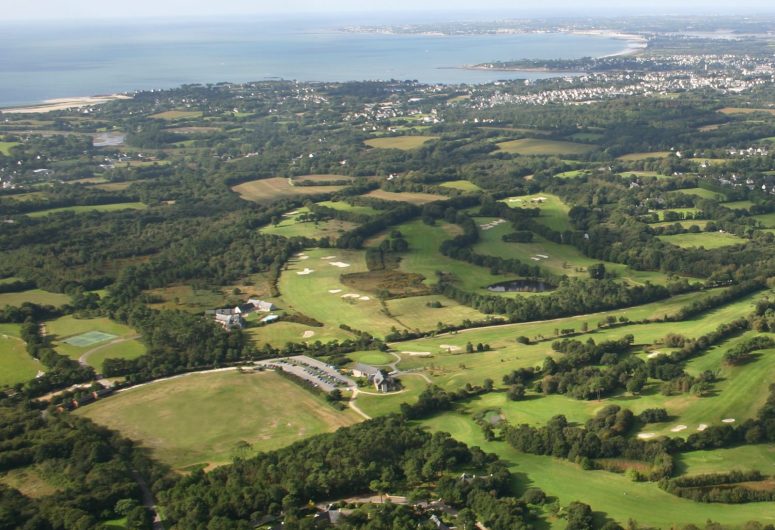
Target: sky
{"type": "Point", "coordinates": [80, 9]}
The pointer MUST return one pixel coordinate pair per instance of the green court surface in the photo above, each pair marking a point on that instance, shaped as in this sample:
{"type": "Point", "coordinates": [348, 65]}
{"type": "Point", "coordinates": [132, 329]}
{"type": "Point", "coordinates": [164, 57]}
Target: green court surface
{"type": "Point", "coordinates": [89, 338]}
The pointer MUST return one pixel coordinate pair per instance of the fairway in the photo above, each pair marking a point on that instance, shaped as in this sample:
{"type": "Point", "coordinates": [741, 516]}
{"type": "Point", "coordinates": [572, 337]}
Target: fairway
{"type": "Point", "coordinates": [34, 296]}
{"type": "Point", "coordinates": [92, 208]}
{"type": "Point", "coordinates": [708, 240]}
{"type": "Point", "coordinates": [278, 334]}
{"type": "Point", "coordinates": [533, 146]}
{"type": "Point", "coordinates": [405, 143]}
{"type": "Point", "coordinates": [554, 212]}
{"type": "Point", "coordinates": [203, 419]}
{"type": "Point", "coordinates": [266, 190]}
{"type": "Point", "coordinates": [747, 457]}
{"type": "Point", "coordinates": [615, 495]}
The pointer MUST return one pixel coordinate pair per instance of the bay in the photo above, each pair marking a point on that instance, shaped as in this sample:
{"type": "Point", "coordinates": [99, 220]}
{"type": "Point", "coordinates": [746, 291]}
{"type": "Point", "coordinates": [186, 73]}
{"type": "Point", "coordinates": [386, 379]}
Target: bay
{"type": "Point", "coordinates": [46, 61]}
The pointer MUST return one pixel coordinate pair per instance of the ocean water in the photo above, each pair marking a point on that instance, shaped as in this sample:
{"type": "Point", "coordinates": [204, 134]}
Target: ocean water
{"type": "Point", "coordinates": [45, 61]}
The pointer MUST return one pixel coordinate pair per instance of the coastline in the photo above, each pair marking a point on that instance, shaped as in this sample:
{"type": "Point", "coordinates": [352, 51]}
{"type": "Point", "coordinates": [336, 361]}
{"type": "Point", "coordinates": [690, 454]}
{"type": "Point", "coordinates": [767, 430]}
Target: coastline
{"type": "Point", "coordinates": [50, 105]}
{"type": "Point", "coordinates": [636, 44]}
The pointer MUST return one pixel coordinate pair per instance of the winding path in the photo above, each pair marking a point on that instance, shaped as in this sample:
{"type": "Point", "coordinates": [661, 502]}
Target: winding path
{"type": "Point", "coordinates": [355, 407]}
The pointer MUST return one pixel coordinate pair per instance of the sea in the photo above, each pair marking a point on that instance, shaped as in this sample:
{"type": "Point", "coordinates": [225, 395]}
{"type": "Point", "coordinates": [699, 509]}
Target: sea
{"type": "Point", "coordinates": [43, 61]}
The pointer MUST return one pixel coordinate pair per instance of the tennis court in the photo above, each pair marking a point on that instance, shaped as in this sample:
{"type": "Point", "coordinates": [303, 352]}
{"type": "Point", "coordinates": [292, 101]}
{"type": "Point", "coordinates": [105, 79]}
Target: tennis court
{"type": "Point", "coordinates": [89, 338]}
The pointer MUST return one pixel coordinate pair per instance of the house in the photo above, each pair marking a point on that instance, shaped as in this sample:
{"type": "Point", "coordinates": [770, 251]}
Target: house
{"type": "Point", "coordinates": [329, 517]}
{"type": "Point", "coordinates": [229, 321]}
{"type": "Point", "coordinates": [244, 309]}
{"type": "Point", "coordinates": [261, 305]}
{"type": "Point", "coordinates": [382, 381]}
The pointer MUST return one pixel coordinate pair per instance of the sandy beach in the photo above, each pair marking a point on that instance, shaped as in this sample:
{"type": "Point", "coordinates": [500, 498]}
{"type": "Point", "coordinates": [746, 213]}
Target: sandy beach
{"type": "Point", "coordinates": [63, 104]}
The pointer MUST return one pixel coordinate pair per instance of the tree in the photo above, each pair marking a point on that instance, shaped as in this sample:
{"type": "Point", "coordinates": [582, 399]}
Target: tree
{"type": "Point", "coordinates": [579, 516]}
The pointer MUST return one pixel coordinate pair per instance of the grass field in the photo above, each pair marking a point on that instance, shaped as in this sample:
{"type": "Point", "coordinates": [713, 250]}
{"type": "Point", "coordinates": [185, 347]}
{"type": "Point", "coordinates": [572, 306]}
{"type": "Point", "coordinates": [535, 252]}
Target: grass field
{"type": "Point", "coordinates": [652, 174]}
{"type": "Point", "coordinates": [462, 185]}
{"type": "Point", "coordinates": [685, 211]}
{"type": "Point", "coordinates": [172, 115]}
{"type": "Point", "coordinates": [738, 205]}
{"type": "Point", "coordinates": [554, 212]}
{"type": "Point", "coordinates": [29, 481]}
{"type": "Point", "coordinates": [534, 146]}
{"type": "Point", "coordinates": [702, 193]}
{"type": "Point", "coordinates": [5, 147]}
{"type": "Point", "coordinates": [187, 298]}
{"type": "Point", "coordinates": [202, 419]}
{"type": "Point", "coordinates": [129, 349]}
{"type": "Point", "coordinates": [610, 494]}
{"type": "Point", "coordinates": [633, 157]}
{"type": "Point", "coordinates": [405, 143]}
{"type": "Point", "coordinates": [412, 198]}
{"type": "Point", "coordinates": [562, 259]}
{"type": "Point", "coordinates": [709, 240]}
{"type": "Point", "coordinates": [291, 226]}
{"type": "Point", "coordinates": [767, 219]}
{"type": "Point", "coordinates": [571, 174]}
{"type": "Point", "coordinates": [321, 178]}
{"type": "Point", "coordinates": [93, 208]}
{"type": "Point", "coordinates": [16, 365]}
{"type": "Point", "coordinates": [35, 296]}
{"type": "Point", "coordinates": [379, 405]}
{"type": "Point", "coordinates": [686, 224]}
{"type": "Point", "coordinates": [271, 189]}
{"type": "Point", "coordinates": [66, 327]}
{"type": "Point", "coordinates": [346, 207]}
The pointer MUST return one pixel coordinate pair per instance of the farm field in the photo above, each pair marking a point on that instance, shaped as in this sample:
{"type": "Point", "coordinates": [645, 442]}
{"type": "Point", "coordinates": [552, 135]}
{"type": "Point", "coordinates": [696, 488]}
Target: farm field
{"type": "Point", "coordinates": [206, 419]}
{"type": "Point", "coordinates": [554, 212]}
{"type": "Point", "coordinates": [634, 157]}
{"type": "Point", "coordinates": [745, 110]}
{"type": "Point", "coordinates": [35, 296]}
{"type": "Point", "coordinates": [405, 143]}
{"type": "Point", "coordinates": [561, 260]}
{"type": "Point", "coordinates": [412, 198]}
{"type": "Point", "coordinates": [709, 240]}
{"type": "Point", "coordinates": [702, 193]}
{"type": "Point", "coordinates": [533, 146]}
{"type": "Point", "coordinates": [93, 208]}
{"type": "Point", "coordinates": [172, 115]}
{"type": "Point", "coordinates": [611, 495]}
{"type": "Point", "coordinates": [267, 190]}
{"type": "Point", "coordinates": [321, 178]}
{"type": "Point", "coordinates": [462, 185]}
{"type": "Point", "coordinates": [16, 365]}
{"type": "Point", "coordinates": [291, 226]}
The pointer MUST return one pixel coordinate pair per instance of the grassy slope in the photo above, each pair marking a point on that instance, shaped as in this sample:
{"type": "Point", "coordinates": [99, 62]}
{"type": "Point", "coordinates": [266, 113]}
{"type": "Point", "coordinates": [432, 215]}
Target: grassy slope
{"type": "Point", "coordinates": [198, 419]}
{"type": "Point", "coordinates": [16, 365]}
{"type": "Point", "coordinates": [35, 296]}
{"type": "Point", "coordinates": [554, 212]}
{"type": "Point", "coordinates": [709, 240]}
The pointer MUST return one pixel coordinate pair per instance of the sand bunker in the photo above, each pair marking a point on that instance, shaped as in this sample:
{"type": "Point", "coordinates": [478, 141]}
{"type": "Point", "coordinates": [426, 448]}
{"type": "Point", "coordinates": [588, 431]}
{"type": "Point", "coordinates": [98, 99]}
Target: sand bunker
{"type": "Point", "coordinates": [654, 354]}
{"type": "Point", "coordinates": [364, 298]}
{"type": "Point", "coordinates": [334, 291]}
{"type": "Point", "coordinates": [299, 255]}
{"type": "Point", "coordinates": [728, 420]}
{"type": "Point", "coordinates": [340, 264]}
{"type": "Point", "coordinates": [418, 353]}
{"type": "Point", "coordinates": [450, 347]}
{"type": "Point", "coordinates": [701, 427]}
{"type": "Point", "coordinates": [302, 258]}
{"type": "Point", "coordinates": [328, 257]}
{"type": "Point", "coordinates": [351, 295]}
{"type": "Point", "coordinates": [307, 334]}
{"type": "Point", "coordinates": [646, 435]}
{"type": "Point", "coordinates": [305, 272]}
{"type": "Point", "coordinates": [288, 214]}
{"type": "Point", "coordinates": [492, 224]}
{"type": "Point", "coordinates": [678, 428]}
